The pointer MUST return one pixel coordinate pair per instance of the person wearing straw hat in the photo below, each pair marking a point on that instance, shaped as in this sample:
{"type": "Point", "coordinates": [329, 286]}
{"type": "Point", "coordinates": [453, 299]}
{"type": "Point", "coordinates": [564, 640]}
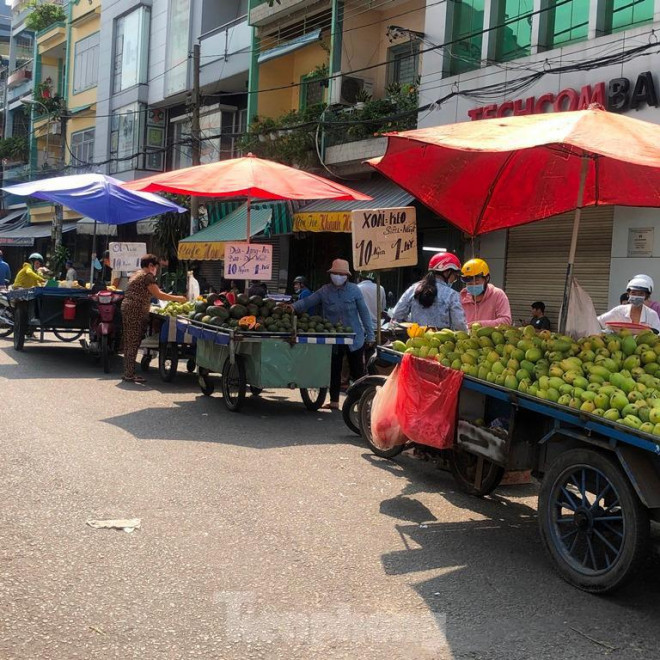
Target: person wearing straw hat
{"type": "Point", "coordinates": [342, 302]}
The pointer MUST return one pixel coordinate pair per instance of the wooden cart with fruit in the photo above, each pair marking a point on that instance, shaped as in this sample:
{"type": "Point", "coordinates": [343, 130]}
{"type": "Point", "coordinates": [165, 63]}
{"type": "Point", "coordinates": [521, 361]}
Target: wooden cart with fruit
{"type": "Point", "coordinates": [258, 359]}
{"type": "Point", "coordinates": [599, 472]}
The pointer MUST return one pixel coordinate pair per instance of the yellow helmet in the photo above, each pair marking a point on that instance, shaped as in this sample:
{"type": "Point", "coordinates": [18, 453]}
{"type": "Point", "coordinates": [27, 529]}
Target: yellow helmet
{"type": "Point", "coordinates": [474, 268]}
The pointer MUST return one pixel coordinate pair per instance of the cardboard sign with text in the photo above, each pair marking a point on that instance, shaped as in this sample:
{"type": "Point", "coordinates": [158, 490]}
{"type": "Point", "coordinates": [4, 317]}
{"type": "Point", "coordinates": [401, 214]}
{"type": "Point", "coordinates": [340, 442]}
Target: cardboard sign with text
{"type": "Point", "coordinates": [248, 261]}
{"type": "Point", "coordinates": [384, 238]}
{"type": "Point", "coordinates": [126, 257]}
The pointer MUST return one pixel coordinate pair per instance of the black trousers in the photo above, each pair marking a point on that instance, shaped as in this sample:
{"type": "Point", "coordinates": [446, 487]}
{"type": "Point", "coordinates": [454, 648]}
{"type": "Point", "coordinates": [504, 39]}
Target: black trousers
{"type": "Point", "coordinates": [355, 364]}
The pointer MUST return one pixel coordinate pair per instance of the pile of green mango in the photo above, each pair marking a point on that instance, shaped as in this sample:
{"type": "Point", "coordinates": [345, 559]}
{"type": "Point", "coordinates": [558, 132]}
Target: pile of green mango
{"type": "Point", "coordinates": [609, 375]}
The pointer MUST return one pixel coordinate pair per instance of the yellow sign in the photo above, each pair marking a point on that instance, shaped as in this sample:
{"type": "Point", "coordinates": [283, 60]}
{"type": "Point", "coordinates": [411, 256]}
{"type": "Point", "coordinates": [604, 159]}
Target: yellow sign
{"type": "Point", "coordinates": [339, 221]}
{"type": "Point", "coordinates": [384, 238]}
{"type": "Point", "coordinates": [202, 251]}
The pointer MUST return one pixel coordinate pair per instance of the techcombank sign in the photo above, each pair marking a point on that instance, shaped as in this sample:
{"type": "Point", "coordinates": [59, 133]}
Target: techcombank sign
{"type": "Point", "coordinates": [617, 95]}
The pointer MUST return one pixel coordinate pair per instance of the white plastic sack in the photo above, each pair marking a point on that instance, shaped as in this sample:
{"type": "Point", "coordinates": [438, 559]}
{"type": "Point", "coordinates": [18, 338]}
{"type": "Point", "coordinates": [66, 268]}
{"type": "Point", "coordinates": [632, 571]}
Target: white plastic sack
{"type": "Point", "coordinates": [193, 287]}
{"type": "Point", "coordinates": [582, 319]}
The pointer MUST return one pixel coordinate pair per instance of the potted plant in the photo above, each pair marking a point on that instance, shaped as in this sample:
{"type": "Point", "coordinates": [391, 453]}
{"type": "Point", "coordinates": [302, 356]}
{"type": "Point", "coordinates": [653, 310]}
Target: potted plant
{"type": "Point", "coordinates": [361, 98]}
{"type": "Point", "coordinates": [321, 72]}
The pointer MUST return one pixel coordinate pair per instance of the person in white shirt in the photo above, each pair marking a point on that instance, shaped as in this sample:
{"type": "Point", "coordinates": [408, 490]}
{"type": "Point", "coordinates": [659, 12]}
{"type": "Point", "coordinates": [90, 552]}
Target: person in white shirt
{"type": "Point", "coordinates": [369, 292]}
{"type": "Point", "coordinates": [71, 274]}
{"type": "Point", "coordinates": [639, 290]}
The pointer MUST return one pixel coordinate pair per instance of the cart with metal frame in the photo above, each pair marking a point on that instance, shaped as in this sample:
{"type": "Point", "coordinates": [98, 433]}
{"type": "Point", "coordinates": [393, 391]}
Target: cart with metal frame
{"type": "Point", "coordinates": [171, 342]}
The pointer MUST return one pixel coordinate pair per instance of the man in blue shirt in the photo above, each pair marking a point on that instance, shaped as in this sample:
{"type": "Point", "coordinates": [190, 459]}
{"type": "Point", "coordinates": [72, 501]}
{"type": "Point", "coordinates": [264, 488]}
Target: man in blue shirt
{"type": "Point", "coordinates": [342, 302]}
{"type": "Point", "coordinates": [301, 291]}
{"type": "Point", "coordinates": [5, 272]}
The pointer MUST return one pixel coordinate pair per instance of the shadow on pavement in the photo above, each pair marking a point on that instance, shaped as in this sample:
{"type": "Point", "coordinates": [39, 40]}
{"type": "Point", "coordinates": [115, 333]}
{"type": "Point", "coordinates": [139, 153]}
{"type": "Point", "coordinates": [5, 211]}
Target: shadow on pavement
{"type": "Point", "coordinates": [207, 420]}
{"type": "Point", "coordinates": [525, 609]}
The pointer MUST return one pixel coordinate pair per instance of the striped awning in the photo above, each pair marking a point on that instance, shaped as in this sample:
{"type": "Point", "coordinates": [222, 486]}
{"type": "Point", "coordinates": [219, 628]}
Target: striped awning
{"type": "Point", "coordinates": [325, 215]}
{"type": "Point", "coordinates": [209, 244]}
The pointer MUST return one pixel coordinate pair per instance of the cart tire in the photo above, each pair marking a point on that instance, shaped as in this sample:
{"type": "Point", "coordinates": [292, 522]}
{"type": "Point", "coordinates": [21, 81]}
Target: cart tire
{"type": "Point", "coordinates": [364, 410]}
{"type": "Point", "coordinates": [351, 411]}
{"type": "Point", "coordinates": [588, 510]}
{"type": "Point", "coordinates": [313, 398]}
{"type": "Point", "coordinates": [105, 354]}
{"type": "Point", "coordinates": [191, 365]}
{"type": "Point", "coordinates": [68, 335]}
{"type": "Point", "coordinates": [205, 383]}
{"type": "Point", "coordinates": [464, 467]}
{"type": "Point", "coordinates": [8, 328]}
{"type": "Point", "coordinates": [145, 362]}
{"type": "Point", "coordinates": [256, 391]}
{"type": "Point", "coordinates": [168, 361]}
{"type": "Point", "coordinates": [234, 383]}
{"type": "Point", "coordinates": [20, 327]}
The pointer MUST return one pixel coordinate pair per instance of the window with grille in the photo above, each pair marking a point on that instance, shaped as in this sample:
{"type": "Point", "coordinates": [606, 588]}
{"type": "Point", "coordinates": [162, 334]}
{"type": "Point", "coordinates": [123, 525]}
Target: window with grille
{"type": "Point", "coordinates": [312, 90]}
{"type": "Point", "coordinates": [403, 63]}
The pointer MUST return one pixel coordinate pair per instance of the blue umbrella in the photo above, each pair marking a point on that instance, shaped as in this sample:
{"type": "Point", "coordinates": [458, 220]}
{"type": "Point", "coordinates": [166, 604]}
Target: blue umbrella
{"type": "Point", "coordinates": [97, 196]}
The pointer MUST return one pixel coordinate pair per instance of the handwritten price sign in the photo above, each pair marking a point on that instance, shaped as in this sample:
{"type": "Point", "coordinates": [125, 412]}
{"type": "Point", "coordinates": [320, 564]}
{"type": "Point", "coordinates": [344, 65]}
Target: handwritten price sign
{"type": "Point", "coordinates": [384, 238]}
{"type": "Point", "coordinates": [253, 261]}
{"type": "Point", "coordinates": [126, 257]}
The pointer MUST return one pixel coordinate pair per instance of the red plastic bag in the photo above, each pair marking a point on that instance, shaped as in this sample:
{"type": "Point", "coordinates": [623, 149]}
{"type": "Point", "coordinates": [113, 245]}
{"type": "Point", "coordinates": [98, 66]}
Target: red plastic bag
{"type": "Point", "coordinates": [385, 429]}
{"type": "Point", "coordinates": [427, 401]}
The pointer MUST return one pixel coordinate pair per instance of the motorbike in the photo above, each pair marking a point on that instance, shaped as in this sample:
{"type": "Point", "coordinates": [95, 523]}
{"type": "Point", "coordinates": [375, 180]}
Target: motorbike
{"type": "Point", "coordinates": [6, 315]}
{"type": "Point", "coordinates": [104, 327]}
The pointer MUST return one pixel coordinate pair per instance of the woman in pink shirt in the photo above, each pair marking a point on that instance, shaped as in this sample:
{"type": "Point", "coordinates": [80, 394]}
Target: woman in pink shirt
{"type": "Point", "coordinates": [483, 302]}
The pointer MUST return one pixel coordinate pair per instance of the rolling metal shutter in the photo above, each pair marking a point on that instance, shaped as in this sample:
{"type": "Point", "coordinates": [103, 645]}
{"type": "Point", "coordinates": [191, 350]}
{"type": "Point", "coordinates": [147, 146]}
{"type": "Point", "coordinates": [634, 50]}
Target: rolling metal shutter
{"type": "Point", "coordinates": [536, 261]}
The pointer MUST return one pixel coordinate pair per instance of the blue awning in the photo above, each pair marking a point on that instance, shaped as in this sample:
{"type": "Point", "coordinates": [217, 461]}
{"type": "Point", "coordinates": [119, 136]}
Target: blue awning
{"type": "Point", "coordinates": [290, 46]}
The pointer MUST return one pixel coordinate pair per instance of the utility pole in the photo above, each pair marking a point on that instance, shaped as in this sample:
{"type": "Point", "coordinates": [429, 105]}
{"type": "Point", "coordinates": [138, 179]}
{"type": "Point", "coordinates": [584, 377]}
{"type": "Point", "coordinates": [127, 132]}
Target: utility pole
{"type": "Point", "coordinates": [195, 134]}
{"type": "Point", "coordinates": [59, 211]}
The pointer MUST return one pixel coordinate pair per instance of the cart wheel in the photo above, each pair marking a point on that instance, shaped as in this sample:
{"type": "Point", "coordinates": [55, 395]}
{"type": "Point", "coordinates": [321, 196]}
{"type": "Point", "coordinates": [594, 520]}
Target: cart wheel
{"type": "Point", "coordinates": [205, 383]}
{"type": "Point", "coordinates": [168, 361]}
{"type": "Point", "coordinates": [191, 365]}
{"type": "Point", "coordinates": [6, 321]}
{"type": "Point", "coordinates": [313, 398]}
{"type": "Point", "coordinates": [20, 327]}
{"type": "Point", "coordinates": [592, 523]}
{"type": "Point", "coordinates": [351, 410]}
{"type": "Point", "coordinates": [256, 391]}
{"type": "Point", "coordinates": [68, 335]}
{"type": "Point", "coordinates": [144, 362]}
{"type": "Point", "coordinates": [474, 474]}
{"type": "Point", "coordinates": [364, 410]}
{"type": "Point", "coordinates": [233, 383]}
{"type": "Point", "coordinates": [105, 354]}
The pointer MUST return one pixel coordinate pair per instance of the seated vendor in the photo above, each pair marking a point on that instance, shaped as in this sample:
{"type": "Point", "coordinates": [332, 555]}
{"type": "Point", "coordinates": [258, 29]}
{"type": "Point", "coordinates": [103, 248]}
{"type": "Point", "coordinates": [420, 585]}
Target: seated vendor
{"type": "Point", "coordinates": [28, 277]}
{"type": "Point", "coordinates": [634, 311]}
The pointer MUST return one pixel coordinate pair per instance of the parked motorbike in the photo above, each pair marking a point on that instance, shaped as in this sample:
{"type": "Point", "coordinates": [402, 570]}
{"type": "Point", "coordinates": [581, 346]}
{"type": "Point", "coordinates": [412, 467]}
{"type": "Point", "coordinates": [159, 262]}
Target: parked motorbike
{"type": "Point", "coordinates": [104, 327]}
{"type": "Point", "coordinates": [6, 315]}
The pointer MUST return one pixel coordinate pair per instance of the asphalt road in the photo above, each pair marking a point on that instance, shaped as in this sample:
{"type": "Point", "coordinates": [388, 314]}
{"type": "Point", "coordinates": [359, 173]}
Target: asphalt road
{"type": "Point", "coordinates": [272, 533]}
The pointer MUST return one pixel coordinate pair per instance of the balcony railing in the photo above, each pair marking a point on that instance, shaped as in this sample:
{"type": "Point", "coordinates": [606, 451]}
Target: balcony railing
{"type": "Point", "coordinates": [266, 11]}
{"type": "Point", "coordinates": [225, 50]}
{"type": "Point", "coordinates": [20, 75]}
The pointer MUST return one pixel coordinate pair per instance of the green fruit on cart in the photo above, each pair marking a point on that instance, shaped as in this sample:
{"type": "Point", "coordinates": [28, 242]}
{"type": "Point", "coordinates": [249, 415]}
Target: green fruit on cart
{"type": "Point", "coordinates": [612, 414]}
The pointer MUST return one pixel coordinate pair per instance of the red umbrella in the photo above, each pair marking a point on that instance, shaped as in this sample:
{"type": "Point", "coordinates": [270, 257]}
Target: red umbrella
{"type": "Point", "coordinates": [251, 177]}
{"type": "Point", "coordinates": [496, 173]}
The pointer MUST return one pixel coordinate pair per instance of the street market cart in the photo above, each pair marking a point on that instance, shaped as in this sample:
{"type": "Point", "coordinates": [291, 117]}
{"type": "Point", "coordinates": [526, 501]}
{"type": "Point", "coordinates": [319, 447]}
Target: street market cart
{"type": "Point", "coordinates": [600, 481]}
{"type": "Point", "coordinates": [171, 342]}
{"type": "Point", "coordinates": [263, 360]}
{"type": "Point", "coordinates": [65, 312]}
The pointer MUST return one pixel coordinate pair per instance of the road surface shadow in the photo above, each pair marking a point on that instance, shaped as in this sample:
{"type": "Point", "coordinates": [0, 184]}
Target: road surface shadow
{"type": "Point", "coordinates": [525, 609]}
{"type": "Point", "coordinates": [206, 419]}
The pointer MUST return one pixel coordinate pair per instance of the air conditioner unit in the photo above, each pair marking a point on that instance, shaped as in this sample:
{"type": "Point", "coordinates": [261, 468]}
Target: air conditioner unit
{"type": "Point", "coordinates": [346, 88]}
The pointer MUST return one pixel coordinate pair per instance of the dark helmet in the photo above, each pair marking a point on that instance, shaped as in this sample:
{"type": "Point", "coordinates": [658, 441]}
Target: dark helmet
{"type": "Point", "coordinates": [301, 279]}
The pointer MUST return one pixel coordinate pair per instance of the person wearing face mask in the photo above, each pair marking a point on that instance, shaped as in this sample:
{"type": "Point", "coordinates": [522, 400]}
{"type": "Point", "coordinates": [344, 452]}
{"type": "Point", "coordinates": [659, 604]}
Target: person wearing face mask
{"type": "Point", "coordinates": [432, 301]}
{"type": "Point", "coordinates": [483, 302]}
{"type": "Point", "coordinates": [639, 289]}
{"type": "Point", "coordinates": [342, 302]}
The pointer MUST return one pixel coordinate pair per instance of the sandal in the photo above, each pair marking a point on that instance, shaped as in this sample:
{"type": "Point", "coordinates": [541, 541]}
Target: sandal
{"type": "Point", "coordinates": [134, 379]}
{"type": "Point", "coordinates": [333, 405]}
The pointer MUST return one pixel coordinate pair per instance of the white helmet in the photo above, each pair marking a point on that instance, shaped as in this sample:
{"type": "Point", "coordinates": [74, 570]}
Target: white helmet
{"type": "Point", "coordinates": [641, 282]}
